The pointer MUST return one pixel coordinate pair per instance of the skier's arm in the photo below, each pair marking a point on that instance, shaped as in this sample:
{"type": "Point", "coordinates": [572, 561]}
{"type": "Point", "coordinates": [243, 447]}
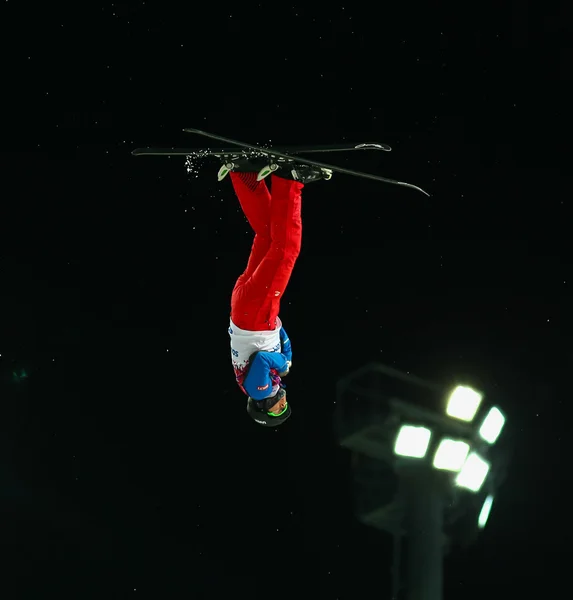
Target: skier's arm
{"type": "Point", "coordinates": [258, 382]}
{"type": "Point", "coordinates": [286, 345]}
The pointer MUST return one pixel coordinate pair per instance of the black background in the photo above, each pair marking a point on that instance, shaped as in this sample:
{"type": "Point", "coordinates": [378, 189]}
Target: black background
{"type": "Point", "coordinates": [128, 465]}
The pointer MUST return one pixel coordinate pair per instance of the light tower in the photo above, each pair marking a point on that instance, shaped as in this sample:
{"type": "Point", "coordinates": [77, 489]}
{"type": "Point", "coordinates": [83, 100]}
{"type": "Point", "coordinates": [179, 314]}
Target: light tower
{"type": "Point", "coordinates": [422, 460]}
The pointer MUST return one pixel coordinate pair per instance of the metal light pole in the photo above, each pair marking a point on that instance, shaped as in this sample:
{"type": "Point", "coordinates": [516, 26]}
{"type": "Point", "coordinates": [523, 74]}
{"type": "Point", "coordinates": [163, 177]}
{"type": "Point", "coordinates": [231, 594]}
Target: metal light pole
{"type": "Point", "coordinates": [424, 501]}
{"type": "Point", "coordinates": [408, 472]}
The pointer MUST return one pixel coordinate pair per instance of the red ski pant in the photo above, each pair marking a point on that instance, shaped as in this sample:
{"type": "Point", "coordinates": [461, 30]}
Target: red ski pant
{"type": "Point", "coordinates": [276, 221]}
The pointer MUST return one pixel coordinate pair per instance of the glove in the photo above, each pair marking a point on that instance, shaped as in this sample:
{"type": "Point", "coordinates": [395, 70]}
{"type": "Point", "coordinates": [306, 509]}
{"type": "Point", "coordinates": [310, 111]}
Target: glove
{"type": "Point", "coordinates": [285, 373]}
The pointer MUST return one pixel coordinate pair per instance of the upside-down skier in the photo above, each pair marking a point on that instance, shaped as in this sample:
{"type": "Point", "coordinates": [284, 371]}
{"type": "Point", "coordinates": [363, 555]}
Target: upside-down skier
{"type": "Point", "coordinates": [261, 351]}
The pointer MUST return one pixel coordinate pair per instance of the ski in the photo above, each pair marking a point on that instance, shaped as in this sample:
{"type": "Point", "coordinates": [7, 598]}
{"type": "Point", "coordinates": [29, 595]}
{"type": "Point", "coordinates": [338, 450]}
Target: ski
{"type": "Point", "coordinates": [305, 161]}
{"type": "Point", "coordinates": [285, 149]}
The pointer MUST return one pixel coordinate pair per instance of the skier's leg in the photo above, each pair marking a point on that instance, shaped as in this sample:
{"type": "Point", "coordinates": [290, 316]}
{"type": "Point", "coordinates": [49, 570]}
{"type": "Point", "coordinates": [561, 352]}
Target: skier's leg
{"type": "Point", "coordinates": [255, 303]}
{"type": "Point", "coordinates": [255, 201]}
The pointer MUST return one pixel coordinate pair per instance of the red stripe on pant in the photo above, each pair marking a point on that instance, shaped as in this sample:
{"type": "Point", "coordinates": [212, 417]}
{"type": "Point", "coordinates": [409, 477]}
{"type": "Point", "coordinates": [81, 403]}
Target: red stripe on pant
{"type": "Point", "coordinates": [276, 221]}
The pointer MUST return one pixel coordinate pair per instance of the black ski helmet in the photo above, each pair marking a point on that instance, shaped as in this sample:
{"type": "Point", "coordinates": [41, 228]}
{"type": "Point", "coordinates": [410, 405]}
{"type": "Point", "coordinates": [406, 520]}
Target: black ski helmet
{"type": "Point", "coordinates": [259, 409]}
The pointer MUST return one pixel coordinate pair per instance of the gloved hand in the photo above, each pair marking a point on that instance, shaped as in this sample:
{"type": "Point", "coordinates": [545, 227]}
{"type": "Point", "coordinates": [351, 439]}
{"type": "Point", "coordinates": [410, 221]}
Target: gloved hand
{"type": "Point", "coordinates": [285, 373]}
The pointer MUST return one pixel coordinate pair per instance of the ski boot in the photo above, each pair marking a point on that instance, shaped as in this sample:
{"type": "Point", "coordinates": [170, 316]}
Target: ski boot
{"type": "Point", "coordinates": [241, 163]}
{"type": "Point", "coordinates": [296, 171]}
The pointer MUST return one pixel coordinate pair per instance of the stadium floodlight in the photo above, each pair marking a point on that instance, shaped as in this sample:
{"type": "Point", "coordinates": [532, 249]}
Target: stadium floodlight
{"type": "Point", "coordinates": [412, 441]}
{"type": "Point", "coordinates": [492, 425]}
{"type": "Point", "coordinates": [484, 512]}
{"type": "Point", "coordinates": [451, 454]}
{"type": "Point", "coordinates": [463, 403]}
{"type": "Point", "coordinates": [473, 473]}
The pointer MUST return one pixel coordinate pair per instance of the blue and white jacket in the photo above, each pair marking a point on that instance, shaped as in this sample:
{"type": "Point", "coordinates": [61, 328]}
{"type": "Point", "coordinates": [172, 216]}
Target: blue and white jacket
{"type": "Point", "coordinates": [258, 357]}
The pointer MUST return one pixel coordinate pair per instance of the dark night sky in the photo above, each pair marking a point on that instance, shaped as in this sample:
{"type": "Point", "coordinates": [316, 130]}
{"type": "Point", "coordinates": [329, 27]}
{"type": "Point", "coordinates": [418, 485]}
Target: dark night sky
{"type": "Point", "coordinates": [127, 461]}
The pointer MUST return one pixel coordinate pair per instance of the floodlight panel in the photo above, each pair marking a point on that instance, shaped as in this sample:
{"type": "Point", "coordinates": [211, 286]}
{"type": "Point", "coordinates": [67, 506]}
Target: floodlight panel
{"type": "Point", "coordinates": [463, 403]}
{"type": "Point", "coordinates": [484, 512]}
{"type": "Point", "coordinates": [473, 473]}
{"type": "Point", "coordinates": [412, 441]}
{"type": "Point", "coordinates": [492, 425]}
{"type": "Point", "coordinates": [451, 455]}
